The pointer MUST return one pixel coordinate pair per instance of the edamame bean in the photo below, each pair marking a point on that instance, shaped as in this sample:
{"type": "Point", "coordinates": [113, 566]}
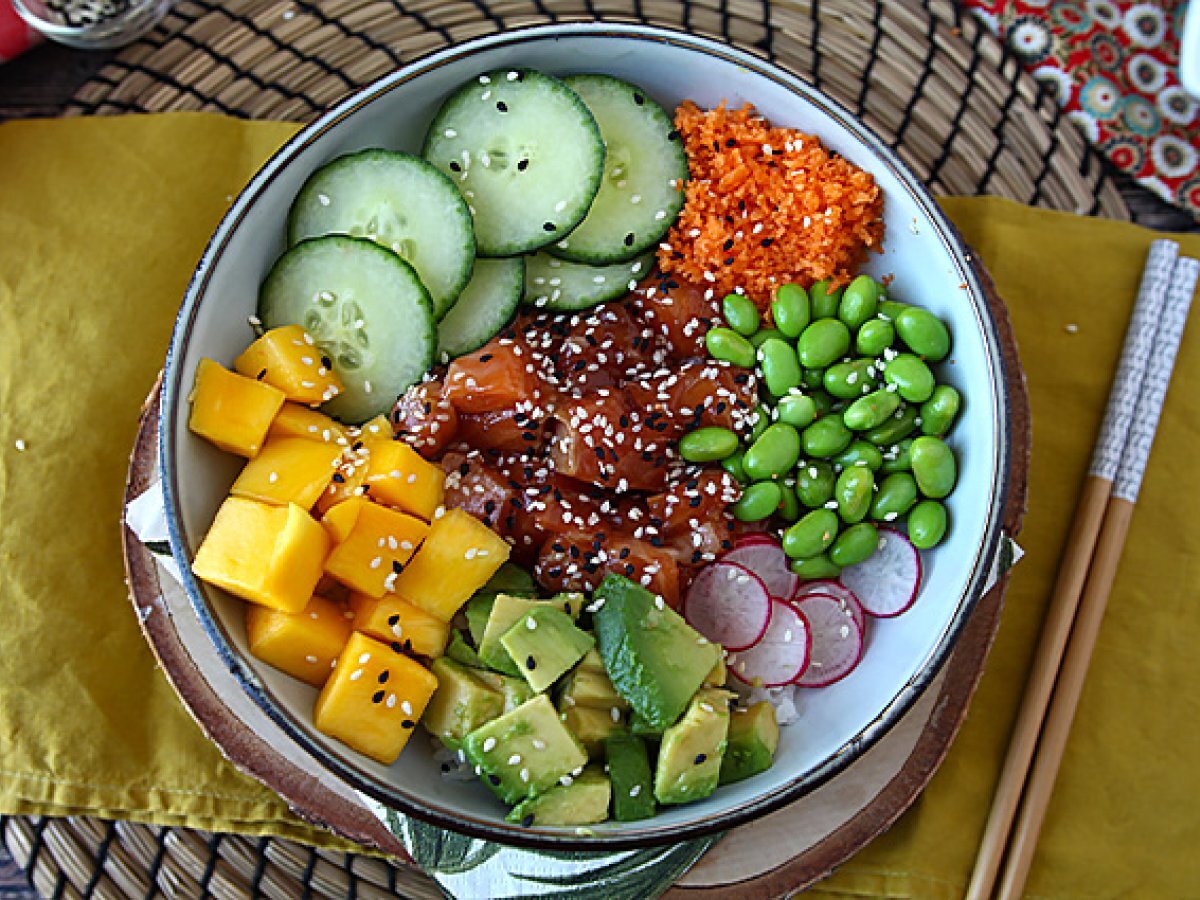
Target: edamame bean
{"type": "Point", "coordinates": [775, 452]}
{"type": "Point", "coordinates": [849, 380]}
{"type": "Point", "coordinates": [853, 492]}
{"type": "Point", "coordinates": [897, 493]}
{"type": "Point", "coordinates": [789, 506]}
{"type": "Point", "coordinates": [871, 411]}
{"type": "Point", "coordinates": [813, 379]}
{"type": "Point", "coordinates": [779, 365]}
{"type": "Point", "coordinates": [875, 336]}
{"type": "Point", "coordinates": [790, 310]}
{"type": "Point", "coordinates": [890, 309]}
{"type": "Point", "coordinates": [740, 314]}
{"type": "Point", "coordinates": [812, 535]}
{"type": "Point", "coordinates": [939, 411]}
{"type": "Point", "coordinates": [733, 465]}
{"type": "Point", "coordinates": [859, 301]}
{"type": "Point", "coordinates": [823, 402]}
{"type": "Point", "coordinates": [817, 567]}
{"type": "Point", "coordinates": [854, 545]}
{"type": "Point", "coordinates": [923, 332]}
{"type": "Point", "coordinates": [826, 437]}
{"type": "Point", "coordinates": [822, 343]}
{"type": "Point", "coordinates": [823, 300]}
{"type": "Point", "coordinates": [764, 334]}
{"type": "Point", "coordinates": [912, 378]}
{"type": "Point", "coordinates": [798, 410]}
{"type": "Point", "coordinates": [707, 444]}
{"type": "Point", "coordinates": [758, 501]}
{"type": "Point", "coordinates": [861, 454]}
{"type": "Point", "coordinates": [814, 484]}
{"type": "Point", "coordinates": [896, 458]}
{"type": "Point", "coordinates": [761, 422]}
{"type": "Point", "coordinates": [899, 426]}
{"type": "Point", "coordinates": [726, 344]}
{"type": "Point", "coordinates": [933, 466]}
{"type": "Point", "coordinates": [927, 524]}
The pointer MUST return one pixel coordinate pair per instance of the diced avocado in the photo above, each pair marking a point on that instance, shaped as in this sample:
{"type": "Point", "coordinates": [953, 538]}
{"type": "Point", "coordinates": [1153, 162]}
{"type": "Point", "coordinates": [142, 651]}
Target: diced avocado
{"type": "Point", "coordinates": [515, 690]}
{"type": "Point", "coordinates": [719, 674]}
{"type": "Point", "coordinates": [642, 728]}
{"type": "Point", "coordinates": [461, 702]}
{"type": "Point", "coordinates": [753, 737]}
{"type": "Point", "coordinates": [545, 645]}
{"type": "Point", "coordinates": [655, 659]}
{"type": "Point", "coordinates": [477, 611]}
{"type": "Point", "coordinates": [689, 758]}
{"type": "Point", "coordinates": [524, 752]}
{"type": "Point", "coordinates": [576, 801]}
{"type": "Point", "coordinates": [628, 766]}
{"type": "Point", "coordinates": [590, 687]}
{"type": "Point", "coordinates": [509, 579]}
{"type": "Point", "coordinates": [570, 602]}
{"type": "Point", "coordinates": [504, 614]}
{"type": "Point", "coordinates": [460, 651]}
{"type": "Point", "coordinates": [592, 726]}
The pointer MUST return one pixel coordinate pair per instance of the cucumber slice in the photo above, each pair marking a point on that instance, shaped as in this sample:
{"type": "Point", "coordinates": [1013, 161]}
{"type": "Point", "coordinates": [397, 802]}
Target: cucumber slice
{"type": "Point", "coordinates": [526, 154]}
{"type": "Point", "coordinates": [398, 201]}
{"type": "Point", "coordinates": [552, 283]}
{"type": "Point", "coordinates": [483, 308]}
{"type": "Point", "coordinates": [368, 312]}
{"type": "Point", "coordinates": [644, 172]}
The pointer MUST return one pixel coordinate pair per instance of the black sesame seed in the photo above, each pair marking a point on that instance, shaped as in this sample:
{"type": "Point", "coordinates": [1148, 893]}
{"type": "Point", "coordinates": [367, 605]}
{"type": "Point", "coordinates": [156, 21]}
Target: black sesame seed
{"type": "Point", "coordinates": [501, 106]}
{"type": "Point", "coordinates": [638, 99]}
{"type": "Point", "coordinates": [700, 758]}
{"type": "Point", "coordinates": [530, 663]}
{"type": "Point", "coordinates": [392, 620]}
{"type": "Point", "coordinates": [629, 239]}
{"type": "Point", "coordinates": [728, 245]}
{"type": "Point", "coordinates": [339, 477]}
{"type": "Point", "coordinates": [548, 226]}
{"type": "Point", "coordinates": [522, 165]}
{"type": "Point", "coordinates": [262, 375]}
{"type": "Point", "coordinates": [487, 357]}
{"type": "Point", "coordinates": [408, 723]}
{"type": "Point", "coordinates": [358, 445]}
{"type": "Point", "coordinates": [377, 697]}
{"type": "Point", "coordinates": [716, 146]}
{"type": "Point", "coordinates": [327, 362]}
{"type": "Point", "coordinates": [397, 566]}
{"type": "Point", "coordinates": [408, 645]}
{"type": "Point", "coordinates": [673, 134]}
{"type": "Point", "coordinates": [767, 242]}
{"type": "Point", "coordinates": [528, 820]}
{"type": "Point", "coordinates": [384, 676]}
{"type": "Point", "coordinates": [445, 767]}
{"type": "Point", "coordinates": [455, 167]}
{"type": "Point", "coordinates": [494, 779]}
{"type": "Point", "coordinates": [729, 261]}
{"type": "Point", "coordinates": [730, 142]}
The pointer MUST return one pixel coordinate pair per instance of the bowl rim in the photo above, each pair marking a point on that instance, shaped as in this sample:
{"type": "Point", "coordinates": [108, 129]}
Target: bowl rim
{"type": "Point", "coordinates": [348, 770]}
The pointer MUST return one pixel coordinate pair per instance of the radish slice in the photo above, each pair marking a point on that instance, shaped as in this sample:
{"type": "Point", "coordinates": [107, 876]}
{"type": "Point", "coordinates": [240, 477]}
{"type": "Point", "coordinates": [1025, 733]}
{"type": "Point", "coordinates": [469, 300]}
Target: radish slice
{"type": "Point", "coordinates": [754, 537]}
{"type": "Point", "coordinates": [781, 656]}
{"type": "Point", "coordinates": [767, 560]}
{"type": "Point", "coordinates": [886, 584]}
{"type": "Point", "coordinates": [729, 605]}
{"type": "Point", "coordinates": [837, 639]}
{"type": "Point", "coordinates": [838, 590]}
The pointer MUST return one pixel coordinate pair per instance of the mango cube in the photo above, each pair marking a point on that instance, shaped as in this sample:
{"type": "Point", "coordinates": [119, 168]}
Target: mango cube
{"type": "Point", "coordinates": [288, 470]}
{"type": "Point", "coordinates": [399, 476]}
{"type": "Point", "coordinates": [347, 481]}
{"type": "Point", "coordinates": [287, 358]}
{"type": "Point", "coordinates": [376, 429]}
{"type": "Point", "coordinates": [231, 411]}
{"type": "Point", "coordinates": [377, 545]}
{"type": "Point", "coordinates": [339, 519]}
{"type": "Point", "coordinates": [395, 621]}
{"type": "Point", "coordinates": [303, 644]}
{"type": "Point", "coordinates": [269, 555]}
{"type": "Point", "coordinates": [373, 699]}
{"type": "Point", "coordinates": [294, 420]}
{"type": "Point", "coordinates": [459, 555]}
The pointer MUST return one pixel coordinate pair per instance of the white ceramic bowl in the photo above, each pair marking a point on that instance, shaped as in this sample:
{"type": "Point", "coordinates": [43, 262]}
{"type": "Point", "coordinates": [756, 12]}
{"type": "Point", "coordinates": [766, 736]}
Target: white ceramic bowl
{"type": "Point", "coordinates": [921, 252]}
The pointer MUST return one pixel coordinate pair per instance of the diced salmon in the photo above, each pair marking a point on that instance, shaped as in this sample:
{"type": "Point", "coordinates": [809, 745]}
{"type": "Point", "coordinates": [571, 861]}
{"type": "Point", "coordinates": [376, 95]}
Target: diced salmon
{"type": "Point", "coordinates": [697, 393]}
{"type": "Point", "coordinates": [575, 561]}
{"type": "Point", "coordinates": [691, 516]}
{"type": "Point", "coordinates": [479, 489]}
{"type": "Point", "coordinates": [678, 312]}
{"type": "Point", "coordinates": [607, 347]}
{"type": "Point", "coordinates": [510, 431]}
{"type": "Point", "coordinates": [600, 438]}
{"type": "Point", "coordinates": [425, 419]}
{"type": "Point", "coordinates": [495, 377]}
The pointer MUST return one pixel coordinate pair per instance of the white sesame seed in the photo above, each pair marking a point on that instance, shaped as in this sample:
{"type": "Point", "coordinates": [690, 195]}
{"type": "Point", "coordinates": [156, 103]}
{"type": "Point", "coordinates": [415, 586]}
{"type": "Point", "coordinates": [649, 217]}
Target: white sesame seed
{"type": "Point", "coordinates": [310, 659]}
{"type": "Point", "coordinates": [356, 674]}
{"type": "Point", "coordinates": [323, 199]}
{"type": "Point", "coordinates": [489, 745]}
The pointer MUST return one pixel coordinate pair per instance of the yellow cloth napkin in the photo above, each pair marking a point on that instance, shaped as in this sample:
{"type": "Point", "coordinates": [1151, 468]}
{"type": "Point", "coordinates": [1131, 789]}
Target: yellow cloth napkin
{"type": "Point", "coordinates": [101, 221]}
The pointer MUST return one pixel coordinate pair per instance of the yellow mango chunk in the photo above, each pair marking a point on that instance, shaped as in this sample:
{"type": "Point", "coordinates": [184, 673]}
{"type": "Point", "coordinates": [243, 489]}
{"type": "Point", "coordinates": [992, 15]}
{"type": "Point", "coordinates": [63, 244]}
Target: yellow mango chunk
{"type": "Point", "coordinates": [398, 476]}
{"type": "Point", "coordinates": [373, 699]}
{"type": "Point", "coordinates": [231, 411]}
{"type": "Point", "coordinates": [397, 622]}
{"type": "Point", "coordinates": [303, 644]}
{"type": "Point", "coordinates": [270, 555]}
{"type": "Point", "coordinates": [340, 518]}
{"type": "Point", "coordinates": [376, 547]}
{"type": "Point", "coordinates": [288, 359]}
{"type": "Point", "coordinates": [459, 555]}
{"type": "Point", "coordinates": [347, 480]}
{"type": "Point", "coordinates": [376, 429]}
{"type": "Point", "coordinates": [288, 470]}
{"type": "Point", "coordinates": [294, 420]}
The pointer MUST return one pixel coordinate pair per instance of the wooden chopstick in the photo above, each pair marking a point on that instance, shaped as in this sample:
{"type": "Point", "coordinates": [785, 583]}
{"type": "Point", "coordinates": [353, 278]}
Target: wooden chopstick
{"type": "Point", "coordinates": [1076, 560]}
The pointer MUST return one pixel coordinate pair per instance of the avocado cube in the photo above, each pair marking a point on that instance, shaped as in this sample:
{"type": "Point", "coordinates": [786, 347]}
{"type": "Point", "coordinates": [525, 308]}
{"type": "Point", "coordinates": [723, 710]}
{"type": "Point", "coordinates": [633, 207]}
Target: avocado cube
{"type": "Point", "coordinates": [719, 675]}
{"type": "Point", "coordinates": [753, 738]}
{"type": "Point", "coordinates": [461, 702]}
{"type": "Point", "coordinates": [639, 726]}
{"type": "Point", "coordinates": [689, 759]}
{"type": "Point", "coordinates": [514, 690]}
{"type": "Point", "coordinates": [655, 659]}
{"type": "Point", "coordinates": [460, 651]}
{"type": "Point", "coordinates": [477, 611]}
{"type": "Point", "coordinates": [505, 611]}
{"type": "Point", "coordinates": [545, 645]}
{"type": "Point", "coordinates": [592, 726]}
{"type": "Point", "coordinates": [524, 752]}
{"type": "Point", "coordinates": [628, 765]}
{"type": "Point", "coordinates": [574, 801]}
{"type": "Point", "coordinates": [590, 687]}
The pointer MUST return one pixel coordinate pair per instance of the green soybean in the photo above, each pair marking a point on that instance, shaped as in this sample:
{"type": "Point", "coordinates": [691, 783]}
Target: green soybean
{"type": "Point", "coordinates": [859, 301]}
{"type": "Point", "coordinates": [791, 310]}
{"type": "Point", "coordinates": [812, 535]}
{"type": "Point", "coordinates": [933, 466]}
{"type": "Point", "coordinates": [758, 501]}
{"type": "Point", "coordinates": [912, 378]}
{"type": "Point", "coordinates": [762, 421]}
{"type": "Point", "coordinates": [940, 410]}
{"type": "Point", "coordinates": [875, 336]}
{"type": "Point", "coordinates": [891, 309]}
{"type": "Point", "coordinates": [824, 300]}
{"type": "Point", "coordinates": [854, 545]}
{"type": "Point", "coordinates": [927, 524]}
{"type": "Point", "coordinates": [862, 454]}
{"type": "Point", "coordinates": [726, 344]}
{"type": "Point", "coordinates": [789, 505]}
{"type": "Point", "coordinates": [923, 332]}
{"type": "Point", "coordinates": [775, 452]}
{"type": "Point", "coordinates": [740, 314]}
{"type": "Point", "coordinates": [849, 380]}
{"type": "Point", "coordinates": [826, 437]}
{"type": "Point", "coordinates": [779, 365]}
{"type": "Point", "coordinates": [817, 567]}
{"type": "Point", "coordinates": [733, 465]}
{"type": "Point", "coordinates": [813, 379]}
{"type": "Point", "coordinates": [871, 411]}
{"type": "Point", "coordinates": [895, 428]}
{"type": "Point", "coordinates": [707, 444]}
{"type": "Point", "coordinates": [798, 410]}
{"type": "Point", "coordinates": [897, 493]}
{"type": "Point", "coordinates": [822, 343]}
{"type": "Point", "coordinates": [763, 334]}
{"type": "Point", "coordinates": [853, 492]}
{"type": "Point", "coordinates": [814, 484]}
{"type": "Point", "coordinates": [896, 458]}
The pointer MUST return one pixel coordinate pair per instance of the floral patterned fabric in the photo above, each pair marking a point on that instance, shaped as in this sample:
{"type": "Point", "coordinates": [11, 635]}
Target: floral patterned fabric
{"type": "Point", "coordinates": [1113, 67]}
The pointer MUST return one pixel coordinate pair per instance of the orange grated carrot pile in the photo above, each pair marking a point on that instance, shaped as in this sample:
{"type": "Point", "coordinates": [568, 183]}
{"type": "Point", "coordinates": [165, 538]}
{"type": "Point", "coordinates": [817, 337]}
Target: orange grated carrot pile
{"type": "Point", "coordinates": [767, 206]}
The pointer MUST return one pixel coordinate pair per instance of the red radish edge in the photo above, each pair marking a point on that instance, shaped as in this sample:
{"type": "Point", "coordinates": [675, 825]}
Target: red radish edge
{"type": "Point", "coordinates": [834, 654]}
{"type": "Point", "coordinates": [767, 560]}
{"type": "Point", "coordinates": [836, 589]}
{"type": "Point", "coordinates": [707, 607]}
{"type": "Point", "coordinates": [774, 661]}
{"type": "Point", "coordinates": [875, 582]}
{"type": "Point", "coordinates": [749, 540]}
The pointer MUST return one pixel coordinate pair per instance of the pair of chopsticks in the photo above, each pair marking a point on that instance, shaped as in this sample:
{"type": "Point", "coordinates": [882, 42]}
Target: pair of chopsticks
{"type": "Point", "coordinates": [1086, 573]}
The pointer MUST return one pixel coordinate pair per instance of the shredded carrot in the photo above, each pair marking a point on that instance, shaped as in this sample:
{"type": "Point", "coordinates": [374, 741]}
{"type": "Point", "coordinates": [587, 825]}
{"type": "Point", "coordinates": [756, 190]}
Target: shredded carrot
{"type": "Point", "coordinates": [766, 207]}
